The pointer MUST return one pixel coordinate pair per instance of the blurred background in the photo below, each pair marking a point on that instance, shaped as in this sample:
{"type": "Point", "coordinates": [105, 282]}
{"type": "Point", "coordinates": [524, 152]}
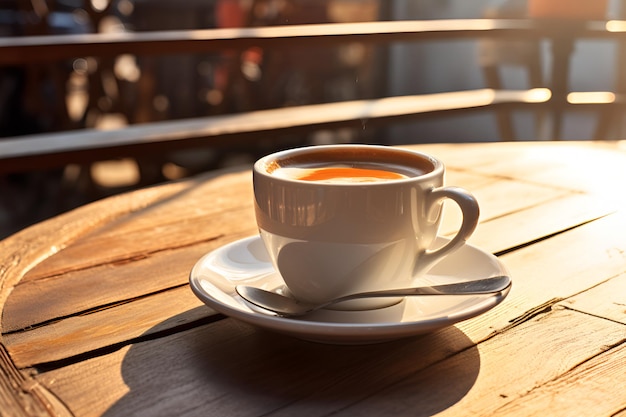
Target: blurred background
{"type": "Point", "coordinates": [106, 94]}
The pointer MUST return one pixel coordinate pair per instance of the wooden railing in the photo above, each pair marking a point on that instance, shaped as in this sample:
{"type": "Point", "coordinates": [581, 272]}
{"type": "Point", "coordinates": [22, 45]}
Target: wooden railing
{"type": "Point", "coordinates": [21, 50]}
{"type": "Point", "coordinates": [239, 131]}
{"type": "Point", "coordinates": [32, 49]}
{"type": "Point", "coordinates": [60, 148]}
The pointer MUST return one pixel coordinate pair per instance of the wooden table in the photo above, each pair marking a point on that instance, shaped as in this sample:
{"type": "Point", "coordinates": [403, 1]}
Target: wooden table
{"type": "Point", "coordinates": [98, 317]}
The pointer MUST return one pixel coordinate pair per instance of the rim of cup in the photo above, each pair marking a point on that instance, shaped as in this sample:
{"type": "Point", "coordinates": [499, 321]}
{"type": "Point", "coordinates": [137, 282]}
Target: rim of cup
{"type": "Point", "coordinates": [266, 165]}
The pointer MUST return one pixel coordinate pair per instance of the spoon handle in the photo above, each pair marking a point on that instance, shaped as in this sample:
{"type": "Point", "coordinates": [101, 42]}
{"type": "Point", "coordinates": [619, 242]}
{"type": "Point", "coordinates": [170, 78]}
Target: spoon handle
{"type": "Point", "coordinates": [481, 286]}
{"type": "Point", "coordinates": [286, 306]}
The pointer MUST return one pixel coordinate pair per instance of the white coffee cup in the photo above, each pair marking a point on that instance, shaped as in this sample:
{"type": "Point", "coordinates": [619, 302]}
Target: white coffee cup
{"type": "Point", "coordinates": [337, 236]}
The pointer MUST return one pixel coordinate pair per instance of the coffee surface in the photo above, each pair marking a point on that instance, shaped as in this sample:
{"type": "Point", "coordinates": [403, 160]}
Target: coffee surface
{"type": "Point", "coordinates": [349, 174]}
{"type": "Point", "coordinates": [346, 174]}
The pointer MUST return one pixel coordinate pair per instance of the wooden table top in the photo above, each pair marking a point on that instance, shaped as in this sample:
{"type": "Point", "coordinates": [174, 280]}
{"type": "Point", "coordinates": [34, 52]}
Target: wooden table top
{"type": "Point", "coordinates": [98, 317]}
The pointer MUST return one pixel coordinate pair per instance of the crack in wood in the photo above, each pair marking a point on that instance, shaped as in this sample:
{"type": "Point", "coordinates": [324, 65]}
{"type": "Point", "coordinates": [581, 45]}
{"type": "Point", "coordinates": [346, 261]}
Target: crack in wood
{"type": "Point", "coordinates": [550, 305]}
{"type": "Point", "coordinates": [106, 350]}
{"type": "Point", "coordinates": [549, 236]}
{"type": "Point", "coordinates": [534, 312]}
{"type": "Point", "coordinates": [125, 259]}
{"type": "Point", "coordinates": [566, 307]}
{"type": "Point", "coordinates": [92, 310]}
{"type": "Point", "coordinates": [543, 203]}
{"type": "Point", "coordinates": [513, 178]}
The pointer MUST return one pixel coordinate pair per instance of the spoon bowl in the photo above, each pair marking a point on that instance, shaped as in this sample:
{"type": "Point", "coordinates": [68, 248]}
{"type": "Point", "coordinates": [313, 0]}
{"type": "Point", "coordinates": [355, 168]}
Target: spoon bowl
{"type": "Point", "coordinates": [286, 306]}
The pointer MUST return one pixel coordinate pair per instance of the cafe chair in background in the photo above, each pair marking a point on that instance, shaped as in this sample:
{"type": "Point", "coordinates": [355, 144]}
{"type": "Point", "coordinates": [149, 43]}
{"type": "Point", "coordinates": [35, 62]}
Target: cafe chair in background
{"type": "Point", "coordinates": [496, 57]}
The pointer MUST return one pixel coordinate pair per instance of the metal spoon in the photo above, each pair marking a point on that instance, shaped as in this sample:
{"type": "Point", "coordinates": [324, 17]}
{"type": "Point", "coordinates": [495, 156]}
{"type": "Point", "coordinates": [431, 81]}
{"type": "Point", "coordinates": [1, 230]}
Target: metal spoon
{"type": "Point", "coordinates": [289, 307]}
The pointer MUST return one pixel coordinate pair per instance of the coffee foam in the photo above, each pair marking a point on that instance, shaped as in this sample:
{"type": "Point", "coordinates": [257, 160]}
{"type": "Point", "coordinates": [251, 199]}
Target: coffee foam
{"type": "Point", "coordinates": [352, 180]}
{"type": "Point", "coordinates": [349, 175]}
{"type": "Point", "coordinates": [379, 173]}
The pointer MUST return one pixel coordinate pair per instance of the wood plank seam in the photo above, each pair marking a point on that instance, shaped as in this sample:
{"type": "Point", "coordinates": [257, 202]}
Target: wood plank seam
{"type": "Point", "coordinates": [41, 247]}
{"type": "Point", "coordinates": [572, 371]}
{"type": "Point", "coordinates": [91, 310]}
{"type": "Point", "coordinates": [566, 307]}
{"type": "Point", "coordinates": [529, 317]}
{"type": "Point", "coordinates": [516, 178]}
{"type": "Point", "coordinates": [548, 236]}
{"type": "Point", "coordinates": [122, 260]}
{"type": "Point", "coordinates": [551, 305]}
{"type": "Point", "coordinates": [106, 350]}
{"type": "Point", "coordinates": [405, 380]}
{"type": "Point", "coordinates": [538, 204]}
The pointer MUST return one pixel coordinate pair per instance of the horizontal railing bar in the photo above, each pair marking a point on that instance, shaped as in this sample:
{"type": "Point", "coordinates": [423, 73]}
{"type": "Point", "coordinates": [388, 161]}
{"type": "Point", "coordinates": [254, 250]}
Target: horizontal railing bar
{"type": "Point", "coordinates": [24, 153]}
{"type": "Point", "coordinates": [32, 49]}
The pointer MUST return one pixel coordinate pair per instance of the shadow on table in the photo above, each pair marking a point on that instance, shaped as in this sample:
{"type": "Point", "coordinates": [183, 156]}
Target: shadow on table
{"type": "Point", "coordinates": [230, 368]}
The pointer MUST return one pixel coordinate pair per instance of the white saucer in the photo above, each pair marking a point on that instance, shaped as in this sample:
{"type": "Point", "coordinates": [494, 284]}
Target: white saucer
{"type": "Point", "coordinates": [215, 275]}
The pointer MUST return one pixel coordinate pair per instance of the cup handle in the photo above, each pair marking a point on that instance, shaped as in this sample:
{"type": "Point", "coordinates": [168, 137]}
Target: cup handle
{"type": "Point", "coordinates": [469, 207]}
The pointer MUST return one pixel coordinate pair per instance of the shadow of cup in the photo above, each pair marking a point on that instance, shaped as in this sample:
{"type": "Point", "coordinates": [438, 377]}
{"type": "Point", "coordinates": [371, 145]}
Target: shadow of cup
{"type": "Point", "coordinates": [230, 368]}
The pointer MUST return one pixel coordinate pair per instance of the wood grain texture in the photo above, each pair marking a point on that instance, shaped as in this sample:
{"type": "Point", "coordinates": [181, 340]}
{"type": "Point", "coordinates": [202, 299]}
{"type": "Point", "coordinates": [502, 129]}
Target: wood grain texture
{"type": "Point", "coordinates": [108, 328]}
{"type": "Point", "coordinates": [586, 167]}
{"type": "Point", "coordinates": [22, 396]}
{"type": "Point", "coordinates": [440, 372]}
{"type": "Point", "coordinates": [191, 216]}
{"type": "Point", "coordinates": [116, 262]}
{"type": "Point", "coordinates": [547, 273]}
{"type": "Point", "coordinates": [91, 330]}
{"type": "Point", "coordinates": [500, 198]}
{"type": "Point", "coordinates": [28, 248]}
{"type": "Point", "coordinates": [525, 226]}
{"type": "Point", "coordinates": [586, 390]}
{"type": "Point", "coordinates": [128, 276]}
{"type": "Point", "coordinates": [125, 259]}
{"type": "Point", "coordinates": [98, 319]}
